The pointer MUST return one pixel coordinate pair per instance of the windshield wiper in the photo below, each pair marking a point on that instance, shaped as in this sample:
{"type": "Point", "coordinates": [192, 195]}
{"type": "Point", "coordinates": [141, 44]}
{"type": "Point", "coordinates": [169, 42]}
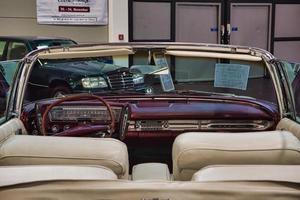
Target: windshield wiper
{"type": "Point", "coordinates": [210, 93]}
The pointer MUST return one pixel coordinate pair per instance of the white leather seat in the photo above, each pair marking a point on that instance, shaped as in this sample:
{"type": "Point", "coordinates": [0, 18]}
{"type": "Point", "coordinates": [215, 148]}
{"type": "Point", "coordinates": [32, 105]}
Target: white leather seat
{"type": "Point", "coordinates": [193, 151]}
{"type": "Point", "coordinates": [41, 150]}
{"type": "Point", "coordinates": [268, 173]}
{"type": "Point", "coordinates": [14, 175]}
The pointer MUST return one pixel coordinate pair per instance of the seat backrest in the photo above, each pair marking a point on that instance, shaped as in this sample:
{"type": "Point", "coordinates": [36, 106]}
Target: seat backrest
{"type": "Point", "coordinates": [193, 151]}
{"type": "Point", "coordinates": [49, 150]}
{"type": "Point", "coordinates": [270, 173]}
{"type": "Point", "coordinates": [13, 175]}
{"type": "Point", "coordinates": [116, 189]}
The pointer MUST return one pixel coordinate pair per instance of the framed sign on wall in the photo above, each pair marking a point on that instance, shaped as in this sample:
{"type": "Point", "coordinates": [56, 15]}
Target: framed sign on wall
{"type": "Point", "coordinates": [73, 12]}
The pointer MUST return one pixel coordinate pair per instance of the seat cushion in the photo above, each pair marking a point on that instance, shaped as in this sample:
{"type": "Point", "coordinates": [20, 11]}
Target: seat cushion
{"type": "Point", "coordinates": [272, 173]}
{"type": "Point", "coordinates": [193, 151]}
{"type": "Point", "coordinates": [151, 171]}
{"type": "Point", "coordinates": [43, 150]}
{"type": "Point", "coordinates": [13, 175]}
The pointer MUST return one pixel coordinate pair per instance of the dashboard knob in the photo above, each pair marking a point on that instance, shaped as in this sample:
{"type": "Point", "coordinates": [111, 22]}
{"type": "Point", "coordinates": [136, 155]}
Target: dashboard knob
{"type": "Point", "coordinates": [165, 124]}
{"type": "Point", "coordinates": [66, 127]}
{"type": "Point", "coordinates": [54, 129]}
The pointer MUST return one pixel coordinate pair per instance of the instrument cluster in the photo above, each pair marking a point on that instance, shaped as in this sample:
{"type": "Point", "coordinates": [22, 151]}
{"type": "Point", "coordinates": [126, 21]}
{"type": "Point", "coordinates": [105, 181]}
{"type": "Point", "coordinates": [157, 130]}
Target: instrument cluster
{"type": "Point", "coordinates": [82, 113]}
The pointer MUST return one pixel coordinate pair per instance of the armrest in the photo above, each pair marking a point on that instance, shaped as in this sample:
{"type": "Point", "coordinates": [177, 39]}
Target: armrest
{"type": "Point", "coordinates": [151, 171]}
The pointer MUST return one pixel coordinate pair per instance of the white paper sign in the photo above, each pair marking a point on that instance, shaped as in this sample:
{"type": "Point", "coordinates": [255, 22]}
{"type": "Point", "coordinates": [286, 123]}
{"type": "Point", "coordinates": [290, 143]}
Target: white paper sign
{"type": "Point", "coordinates": [160, 60]}
{"type": "Point", "coordinates": [167, 82]}
{"type": "Point", "coordinates": [74, 12]}
{"type": "Point", "coordinates": [231, 76]}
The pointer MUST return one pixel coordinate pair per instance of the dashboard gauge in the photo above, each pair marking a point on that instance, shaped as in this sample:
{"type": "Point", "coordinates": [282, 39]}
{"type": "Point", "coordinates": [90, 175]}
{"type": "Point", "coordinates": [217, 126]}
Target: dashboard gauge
{"type": "Point", "coordinates": [82, 113]}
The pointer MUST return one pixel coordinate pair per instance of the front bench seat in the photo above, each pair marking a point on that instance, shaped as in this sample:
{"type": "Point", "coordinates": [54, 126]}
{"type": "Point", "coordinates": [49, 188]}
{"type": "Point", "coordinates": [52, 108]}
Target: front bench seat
{"type": "Point", "coordinates": [193, 151]}
{"type": "Point", "coordinates": [43, 150]}
{"type": "Point", "coordinates": [13, 175]}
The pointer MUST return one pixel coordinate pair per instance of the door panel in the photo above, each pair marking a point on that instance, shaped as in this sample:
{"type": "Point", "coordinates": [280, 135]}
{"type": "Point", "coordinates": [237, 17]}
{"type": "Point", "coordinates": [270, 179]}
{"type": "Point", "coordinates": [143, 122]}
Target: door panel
{"type": "Point", "coordinates": [250, 25]}
{"type": "Point", "coordinates": [289, 125]}
{"type": "Point", "coordinates": [10, 128]}
{"type": "Point", "coordinates": [291, 73]}
{"type": "Point", "coordinates": [198, 22]}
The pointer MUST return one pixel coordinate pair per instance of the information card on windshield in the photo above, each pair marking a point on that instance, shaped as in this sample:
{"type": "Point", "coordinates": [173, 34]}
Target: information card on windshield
{"type": "Point", "coordinates": [231, 76]}
{"type": "Point", "coordinates": [160, 60]}
{"type": "Point", "coordinates": [167, 82]}
{"type": "Point", "coordinates": [165, 77]}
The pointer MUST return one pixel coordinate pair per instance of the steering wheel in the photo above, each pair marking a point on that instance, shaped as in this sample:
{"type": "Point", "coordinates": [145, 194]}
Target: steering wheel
{"type": "Point", "coordinates": [85, 129]}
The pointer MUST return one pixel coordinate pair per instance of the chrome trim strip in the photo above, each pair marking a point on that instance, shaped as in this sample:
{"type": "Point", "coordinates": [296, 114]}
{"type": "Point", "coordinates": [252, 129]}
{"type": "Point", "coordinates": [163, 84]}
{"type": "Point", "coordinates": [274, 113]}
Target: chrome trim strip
{"type": "Point", "coordinates": [44, 86]}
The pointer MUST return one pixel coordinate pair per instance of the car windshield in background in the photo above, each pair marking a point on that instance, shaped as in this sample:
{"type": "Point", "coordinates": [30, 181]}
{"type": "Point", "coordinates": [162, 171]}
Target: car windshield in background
{"type": "Point", "coordinates": [38, 44]}
{"type": "Point", "coordinates": [151, 76]}
{"type": "Point", "coordinates": [8, 70]}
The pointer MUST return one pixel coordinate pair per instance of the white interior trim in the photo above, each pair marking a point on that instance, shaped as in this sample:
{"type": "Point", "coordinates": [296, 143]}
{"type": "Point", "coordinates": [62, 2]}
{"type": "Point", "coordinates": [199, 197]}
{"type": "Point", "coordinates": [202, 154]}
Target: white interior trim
{"type": "Point", "coordinates": [83, 54]}
{"type": "Point", "coordinates": [214, 55]}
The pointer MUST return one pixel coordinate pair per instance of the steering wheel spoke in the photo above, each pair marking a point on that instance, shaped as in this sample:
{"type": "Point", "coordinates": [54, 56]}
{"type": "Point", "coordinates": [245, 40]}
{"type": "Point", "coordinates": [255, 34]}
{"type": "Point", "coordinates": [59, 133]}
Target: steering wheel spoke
{"type": "Point", "coordinates": [84, 130]}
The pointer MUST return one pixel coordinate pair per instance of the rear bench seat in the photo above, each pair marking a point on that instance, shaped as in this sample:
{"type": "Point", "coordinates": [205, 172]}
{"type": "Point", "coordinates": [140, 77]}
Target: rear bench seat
{"type": "Point", "coordinates": [193, 151]}
{"type": "Point", "coordinates": [266, 173]}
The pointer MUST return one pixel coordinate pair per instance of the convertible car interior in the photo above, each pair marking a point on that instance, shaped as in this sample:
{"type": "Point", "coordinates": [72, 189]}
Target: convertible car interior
{"type": "Point", "coordinates": [171, 121]}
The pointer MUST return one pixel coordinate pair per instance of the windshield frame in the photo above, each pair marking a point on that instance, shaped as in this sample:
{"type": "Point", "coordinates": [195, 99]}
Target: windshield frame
{"type": "Point", "coordinates": [235, 50]}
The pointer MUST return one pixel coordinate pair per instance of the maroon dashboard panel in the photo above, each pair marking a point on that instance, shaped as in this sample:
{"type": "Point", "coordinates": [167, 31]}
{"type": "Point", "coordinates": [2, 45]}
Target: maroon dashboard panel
{"type": "Point", "coordinates": [159, 117]}
{"type": "Point", "coordinates": [199, 110]}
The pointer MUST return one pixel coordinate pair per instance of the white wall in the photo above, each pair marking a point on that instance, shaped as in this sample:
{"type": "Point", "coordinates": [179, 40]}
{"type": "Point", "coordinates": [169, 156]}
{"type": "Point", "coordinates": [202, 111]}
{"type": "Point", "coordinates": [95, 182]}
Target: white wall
{"type": "Point", "coordinates": [118, 20]}
{"type": "Point", "coordinates": [18, 17]}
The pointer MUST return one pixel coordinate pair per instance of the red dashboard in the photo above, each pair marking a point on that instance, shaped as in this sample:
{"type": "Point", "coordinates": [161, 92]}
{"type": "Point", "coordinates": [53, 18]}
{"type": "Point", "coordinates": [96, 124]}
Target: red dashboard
{"type": "Point", "coordinates": [155, 116]}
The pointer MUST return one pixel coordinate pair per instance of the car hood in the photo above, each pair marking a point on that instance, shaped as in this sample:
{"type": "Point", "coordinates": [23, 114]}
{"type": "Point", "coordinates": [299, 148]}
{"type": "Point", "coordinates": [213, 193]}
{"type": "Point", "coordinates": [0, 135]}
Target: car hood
{"type": "Point", "coordinates": [87, 69]}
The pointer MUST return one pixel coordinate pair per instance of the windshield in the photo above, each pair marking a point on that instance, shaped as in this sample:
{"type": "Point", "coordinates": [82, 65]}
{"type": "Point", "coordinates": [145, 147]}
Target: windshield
{"type": "Point", "coordinates": [151, 74]}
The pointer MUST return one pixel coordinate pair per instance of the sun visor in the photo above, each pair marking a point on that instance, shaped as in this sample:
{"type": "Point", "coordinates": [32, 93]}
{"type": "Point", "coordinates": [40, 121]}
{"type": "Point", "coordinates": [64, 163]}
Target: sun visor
{"type": "Point", "coordinates": [84, 54]}
{"type": "Point", "coordinates": [214, 55]}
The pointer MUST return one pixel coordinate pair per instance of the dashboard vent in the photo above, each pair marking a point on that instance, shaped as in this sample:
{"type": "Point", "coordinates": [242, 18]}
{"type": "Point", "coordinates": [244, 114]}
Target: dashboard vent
{"type": "Point", "coordinates": [237, 125]}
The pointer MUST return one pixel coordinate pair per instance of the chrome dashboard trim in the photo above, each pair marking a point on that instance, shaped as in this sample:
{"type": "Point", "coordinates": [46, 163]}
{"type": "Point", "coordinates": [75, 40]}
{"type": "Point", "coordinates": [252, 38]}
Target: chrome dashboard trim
{"type": "Point", "coordinates": [200, 125]}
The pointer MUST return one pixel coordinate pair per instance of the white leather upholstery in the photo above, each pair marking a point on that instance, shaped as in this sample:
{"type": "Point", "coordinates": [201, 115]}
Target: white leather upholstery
{"type": "Point", "coordinates": [289, 125]}
{"type": "Point", "coordinates": [42, 150]}
{"type": "Point", "coordinates": [13, 175]}
{"type": "Point", "coordinates": [151, 171]}
{"type": "Point", "coordinates": [10, 128]}
{"type": "Point", "coordinates": [193, 151]}
{"type": "Point", "coordinates": [274, 173]}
